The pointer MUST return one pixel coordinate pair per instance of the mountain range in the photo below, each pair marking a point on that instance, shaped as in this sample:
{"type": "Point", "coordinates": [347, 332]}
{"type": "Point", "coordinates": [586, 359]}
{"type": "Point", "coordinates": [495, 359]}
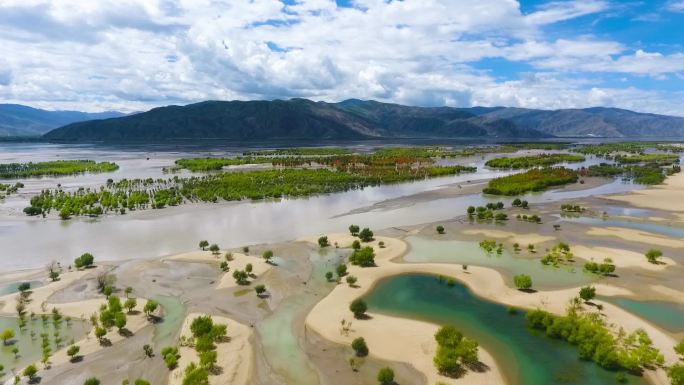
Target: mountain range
{"type": "Point", "coordinates": [353, 119]}
{"type": "Point", "coordinates": [19, 120]}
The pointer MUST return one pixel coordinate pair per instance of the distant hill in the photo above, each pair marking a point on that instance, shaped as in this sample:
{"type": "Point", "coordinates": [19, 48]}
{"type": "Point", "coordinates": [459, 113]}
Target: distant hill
{"type": "Point", "coordinates": [301, 119]}
{"type": "Point", "coordinates": [18, 120]}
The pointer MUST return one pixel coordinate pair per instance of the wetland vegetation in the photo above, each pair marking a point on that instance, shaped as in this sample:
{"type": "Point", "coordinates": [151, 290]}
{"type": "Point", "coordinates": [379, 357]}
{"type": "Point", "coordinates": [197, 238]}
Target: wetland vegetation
{"type": "Point", "coordinates": [54, 168]}
{"type": "Point", "coordinates": [536, 179]}
{"type": "Point", "coordinates": [533, 161]}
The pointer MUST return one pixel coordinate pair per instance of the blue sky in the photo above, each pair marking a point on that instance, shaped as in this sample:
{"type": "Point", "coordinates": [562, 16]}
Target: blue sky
{"type": "Point", "coordinates": [132, 55]}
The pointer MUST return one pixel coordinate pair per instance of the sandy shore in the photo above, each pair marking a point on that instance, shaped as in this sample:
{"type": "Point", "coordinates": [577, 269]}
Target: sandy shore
{"type": "Point", "coordinates": [235, 357]}
{"type": "Point", "coordinates": [666, 197]}
{"type": "Point", "coordinates": [417, 346]}
{"type": "Point", "coordinates": [621, 258]}
{"type": "Point", "coordinates": [636, 236]}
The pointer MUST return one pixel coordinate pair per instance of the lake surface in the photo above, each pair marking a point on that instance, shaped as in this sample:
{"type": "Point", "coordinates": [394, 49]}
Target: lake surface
{"type": "Point", "coordinates": [31, 242]}
{"type": "Point", "coordinates": [525, 357]}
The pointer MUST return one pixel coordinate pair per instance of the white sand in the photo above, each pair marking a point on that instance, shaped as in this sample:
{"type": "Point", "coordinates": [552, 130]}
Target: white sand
{"type": "Point", "coordinates": [417, 345]}
{"type": "Point", "coordinates": [234, 357]}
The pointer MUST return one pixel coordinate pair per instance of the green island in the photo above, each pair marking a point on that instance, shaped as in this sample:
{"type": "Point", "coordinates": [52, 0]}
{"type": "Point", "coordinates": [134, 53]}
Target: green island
{"type": "Point", "coordinates": [54, 168]}
{"type": "Point", "coordinates": [299, 151]}
{"type": "Point", "coordinates": [216, 164]}
{"type": "Point", "coordinates": [533, 161]}
{"type": "Point", "coordinates": [535, 179]}
{"type": "Point", "coordinates": [149, 193]}
{"type": "Point", "coordinates": [647, 174]}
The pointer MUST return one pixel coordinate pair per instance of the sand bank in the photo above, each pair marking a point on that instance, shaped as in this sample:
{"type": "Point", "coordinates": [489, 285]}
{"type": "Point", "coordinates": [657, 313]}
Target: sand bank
{"type": "Point", "coordinates": [667, 196]}
{"type": "Point", "coordinates": [621, 258]}
{"type": "Point", "coordinates": [235, 358]}
{"type": "Point", "coordinates": [417, 344]}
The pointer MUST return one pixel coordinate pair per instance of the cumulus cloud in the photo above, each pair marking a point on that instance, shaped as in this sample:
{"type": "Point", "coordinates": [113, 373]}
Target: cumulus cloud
{"type": "Point", "coordinates": [136, 54]}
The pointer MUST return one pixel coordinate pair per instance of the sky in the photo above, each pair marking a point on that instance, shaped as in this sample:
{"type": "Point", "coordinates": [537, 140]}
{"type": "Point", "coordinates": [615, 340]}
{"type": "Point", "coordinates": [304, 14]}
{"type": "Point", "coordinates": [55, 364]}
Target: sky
{"type": "Point", "coordinates": [135, 55]}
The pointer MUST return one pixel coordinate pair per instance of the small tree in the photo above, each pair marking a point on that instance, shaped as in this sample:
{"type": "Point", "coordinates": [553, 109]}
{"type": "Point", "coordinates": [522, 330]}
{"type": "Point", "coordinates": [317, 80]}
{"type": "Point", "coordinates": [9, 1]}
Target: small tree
{"type": "Point", "coordinates": [341, 270]}
{"type": "Point", "coordinates": [356, 245]}
{"type": "Point", "coordinates": [329, 276]}
{"type": "Point", "coordinates": [386, 376]}
{"type": "Point", "coordinates": [440, 229]}
{"type": "Point", "coordinates": [360, 347]}
{"type": "Point", "coordinates": [73, 351]}
{"type": "Point", "coordinates": [92, 381]}
{"type": "Point", "coordinates": [100, 332]}
{"type": "Point", "coordinates": [128, 290]}
{"type": "Point", "coordinates": [358, 307]}
{"type": "Point", "coordinates": [140, 381]}
{"type": "Point", "coordinates": [120, 320]}
{"type": "Point", "coordinates": [366, 235]}
{"type": "Point", "coordinates": [130, 304]}
{"type": "Point", "coordinates": [323, 241]}
{"type": "Point", "coordinates": [150, 306]}
{"type": "Point", "coordinates": [84, 261]}
{"type": "Point", "coordinates": [267, 255]}
{"type": "Point", "coordinates": [354, 230]}
{"type": "Point", "coordinates": [351, 280]}
{"type": "Point", "coordinates": [203, 245]}
{"type": "Point", "coordinates": [523, 281]}
{"type": "Point", "coordinates": [260, 290]}
{"type": "Point", "coordinates": [587, 293]}
{"type": "Point", "coordinates": [653, 255]}
{"type": "Point", "coordinates": [30, 372]}
{"type": "Point", "coordinates": [214, 248]}
{"type": "Point", "coordinates": [149, 352]}
{"type": "Point", "coordinates": [7, 335]}
{"type": "Point", "coordinates": [679, 348]}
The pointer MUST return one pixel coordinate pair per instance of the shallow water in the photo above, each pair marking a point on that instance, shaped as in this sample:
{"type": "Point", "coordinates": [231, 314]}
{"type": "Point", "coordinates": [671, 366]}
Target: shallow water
{"type": "Point", "coordinates": [470, 253]}
{"type": "Point", "coordinates": [666, 315]}
{"type": "Point", "coordinates": [669, 231]}
{"type": "Point", "coordinates": [14, 286]}
{"type": "Point", "coordinates": [280, 343]}
{"type": "Point", "coordinates": [30, 349]}
{"type": "Point", "coordinates": [525, 357]}
{"type": "Point", "coordinates": [166, 331]}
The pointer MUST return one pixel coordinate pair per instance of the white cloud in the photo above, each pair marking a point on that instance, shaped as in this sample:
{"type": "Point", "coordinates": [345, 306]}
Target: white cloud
{"type": "Point", "coordinates": [135, 54]}
{"type": "Point", "coordinates": [675, 6]}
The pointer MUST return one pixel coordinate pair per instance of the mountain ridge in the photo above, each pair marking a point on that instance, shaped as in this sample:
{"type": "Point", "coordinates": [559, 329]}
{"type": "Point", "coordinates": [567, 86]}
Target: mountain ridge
{"type": "Point", "coordinates": [21, 120]}
{"type": "Point", "coordinates": [355, 119]}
